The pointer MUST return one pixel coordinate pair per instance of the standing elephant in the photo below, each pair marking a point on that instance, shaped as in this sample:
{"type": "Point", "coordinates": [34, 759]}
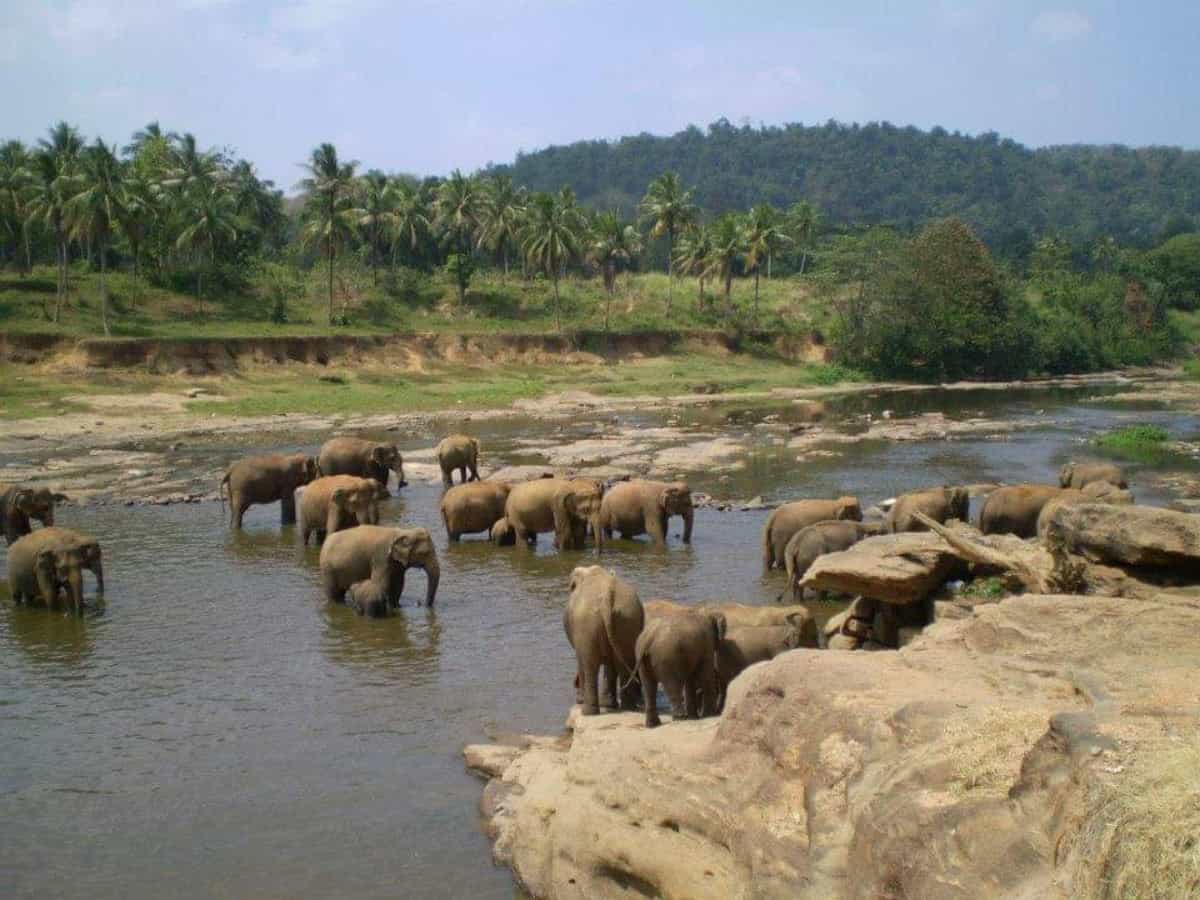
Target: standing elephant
{"type": "Point", "coordinates": [791, 517]}
{"type": "Point", "coordinates": [265, 479]}
{"type": "Point", "coordinates": [744, 646]}
{"type": "Point", "coordinates": [458, 451]}
{"type": "Point", "coordinates": [1080, 475]}
{"type": "Point", "coordinates": [741, 615]}
{"type": "Point", "coordinates": [940, 504]}
{"type": "Point", "coordinates": [679, 650]}
{"type": "Point", "coordinates": [475, 507]}
{"type": "Point", "coordinates": [1015, 509]}
{"type": "Point", "coordinates": [334, 502]}
{"type": "Point", "coordinates": [814, 541]}
{"type": "Point", "coordinates": [381, 556]}
{"type": "Point", "coordinates": [366, 459]}
{"type": "Point", "coordinates": [51, 558]}
{"type": "Point", "coordinates": [565, 506]}
{"type": "Point", "coordinates": [644, 507]}
{"type": "Point", "coordinates": [19, 504]}
{"type": "Point", "coordinates": [602, 620]}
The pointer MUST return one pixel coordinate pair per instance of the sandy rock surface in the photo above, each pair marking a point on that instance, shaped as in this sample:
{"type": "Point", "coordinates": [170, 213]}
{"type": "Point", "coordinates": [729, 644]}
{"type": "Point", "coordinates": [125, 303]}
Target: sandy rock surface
{"type": "Point", "coordinates": [894, 568]}
{"type": "Point", "coordinates": [986, 759]}
{"type": "Point", "coordinates": [1129, 535]}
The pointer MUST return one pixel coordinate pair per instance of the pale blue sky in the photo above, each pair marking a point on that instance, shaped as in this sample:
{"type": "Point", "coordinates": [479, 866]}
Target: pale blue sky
{"type": "Point", "coordinates": [429, 85]}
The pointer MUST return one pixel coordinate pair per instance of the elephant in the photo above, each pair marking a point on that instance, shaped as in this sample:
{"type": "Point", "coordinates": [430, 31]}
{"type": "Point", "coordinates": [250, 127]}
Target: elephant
{"type": "Point", "coordinates": [740, 615]}
{"type": "Point", "coordinates": [380, 555]}
{"type": "Point", "coordinates": [458, 451]}
{"type": "Point", "coordinates": [502, 533]}
{"type": "Point", "coordinates": [1080, 475]}
{"type": "Point", "coordinates": [565, 506]}
{"type": "Point", "coordinates": [940, 504]}
{"type": "Point", "coordinates": [744, 646]}
{"type": "Point", "coordinates": [474, 507]}
{"type": "Point", "coordinates": [45, 560]}
{"type": "Point", "coordinates": [814, 541]}
{"type": "Point", "coordinates": [644, 507]}
{"type": "Point", "coordinates": [602, 620]}
{"type": "Point", "coordinates": [791, 517]}
{"type": "Point", "coordinates": [265, 479]}
{"type": "Point", "coordinates": [334, 502]}
{"type": "Point", "coordinates": [1015, 509]}
{"type": "Point", "coordinates": [366, 459]}
{"type": "Point", "coordinates": [679, 650]}
{"type": "Point", "coordinates": [368, 598]}
{"type": "Point", "coordinates": [19, 504]}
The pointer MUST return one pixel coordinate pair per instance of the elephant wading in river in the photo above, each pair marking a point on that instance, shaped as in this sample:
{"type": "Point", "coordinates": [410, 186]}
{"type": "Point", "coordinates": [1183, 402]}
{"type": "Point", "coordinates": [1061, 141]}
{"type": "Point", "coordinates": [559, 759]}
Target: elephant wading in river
{"type": "Point", "coordinates": [679, 649]}
{"type": "Point", "coordinates": [474, 507]}
{"type": "Point", "coordinates": [1080, 475]}
{"type": "Point", "coordinates": [565, 506]}
{"type": "Point", "coordinates": [644, 507]}
{"type": "Point", "coordinates": [380, 556]}
{"type": "Point", "coordinates": [266, 479]}
{"type": "Point", "coordinates": [458, 451]}
{"type": "Point", "coordinates": [366, 459]}
{"type": "Point", "coordinates": [51, 558]}
{"type": "Point", "coordinates": [791, 517]}
{"type": "Point", "coordinates": [602, 620]}
{"type": "Point", "coordinates": [335, 502]}
{"type": "Point", "coordinates": [940, 504]}
{"type": "Point", "coordinates": [814, 541]}
{"type": "Point", "coordinates": [19, 504]}
{"type": "Point", "coordinates": [1015, 509]}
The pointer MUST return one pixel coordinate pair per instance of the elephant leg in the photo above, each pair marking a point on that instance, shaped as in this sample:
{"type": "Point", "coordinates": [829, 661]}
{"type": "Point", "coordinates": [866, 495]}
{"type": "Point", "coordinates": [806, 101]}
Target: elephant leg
{"type": "Point", "coordinates": [691, 691]}
{"type": "Point", "coordinates": [578, 683]}
{"type": "Point", "coordinates": [453, 536]}
{"type": "Point", "coordinates": [462, 474]}
{"type": "Point", "coordinates": [474, 472]}
{"type": "Point", "coordinates": [287, 508]}
{"type": "Point", "coordinates": [710, 690]}
{"type": "Point", "coordinates": [237, 509]}
{"type": "Point", "coordinates": [676, 693]}
{"type": "Point", "coordinates": [611, 679]}
{"type": "Point", "coordinates": [590, 676]}
{"type": "Point", "coordinates": [649, 695]}
{"type": "Point", "coordinates": [397, 588]}
{"type": "Point", "coordinates": [656, 527]}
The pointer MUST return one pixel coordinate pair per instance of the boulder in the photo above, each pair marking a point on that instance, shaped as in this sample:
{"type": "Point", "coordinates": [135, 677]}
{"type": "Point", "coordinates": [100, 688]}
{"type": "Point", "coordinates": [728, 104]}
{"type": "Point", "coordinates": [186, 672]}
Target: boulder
{"type": "Point", "coordinates": [1127, 535]}
{"type": "Point", "coordinates": [893, 568]}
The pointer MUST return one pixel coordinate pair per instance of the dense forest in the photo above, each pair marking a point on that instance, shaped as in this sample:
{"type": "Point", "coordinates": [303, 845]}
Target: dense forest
{"type": "Point", "coordinates": [885, 174]}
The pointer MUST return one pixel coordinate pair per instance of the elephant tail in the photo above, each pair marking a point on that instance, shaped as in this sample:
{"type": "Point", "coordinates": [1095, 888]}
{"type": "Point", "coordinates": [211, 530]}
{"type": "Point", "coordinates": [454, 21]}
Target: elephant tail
{"type": "Point", "coordinates": [622, 687]}
{"type": "Point", "coordinates": [616, 649]}
{"type": "Point", "coordinates": [767, 547]}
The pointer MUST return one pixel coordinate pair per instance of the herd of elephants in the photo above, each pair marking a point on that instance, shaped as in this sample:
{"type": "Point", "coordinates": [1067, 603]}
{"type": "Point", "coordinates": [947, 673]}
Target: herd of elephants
{"type": "Point", "coordinates": [691, 651]}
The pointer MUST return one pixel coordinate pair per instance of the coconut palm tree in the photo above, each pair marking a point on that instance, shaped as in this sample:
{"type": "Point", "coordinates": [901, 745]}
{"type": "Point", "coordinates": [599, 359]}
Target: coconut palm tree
{"type": "Point", "coordinates": [55, 163]}
{"type": "Point", "coordinates": [140, 204]}
{"type": "Point", "coordinates": [762, 235]}
{"type": "Point", "coordinates": [16, 176]}
{"type": "Point", "coordinates": [803, 221]}
{"type": "Point", "coordinates": [96, 209]}
{"type": "Point", "coordinates": [209, 211]}
{"type": "Point", "coordinates": [377, 196]}
{"type": "Point", "coordinates": [189, 166]}
{"type": "Point", "coordinates": [668, 207]}
{"type": "Point", "coordinates": [458, 205]}
{"type": "Point", "coordinates": [409, 221]}
{"type": "Point", "coordinates": [331, 217]}
{"type": "Point", "coordinates": [501, 216]}
{"type": "Point", "coordinates": [551, 239]}
{"type": "Point", "coordinates": [611, 245]}
{"type": "Point", "coordinates": [691, 255]}
{"type": "Point", "coordinates": [150, 134]}
{"type": "Point", "coordinates": [728, 248]}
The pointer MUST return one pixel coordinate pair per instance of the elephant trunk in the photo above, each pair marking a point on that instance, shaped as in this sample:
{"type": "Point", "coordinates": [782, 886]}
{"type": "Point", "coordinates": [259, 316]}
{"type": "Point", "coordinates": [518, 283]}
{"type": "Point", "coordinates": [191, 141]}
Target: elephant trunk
{"type": "Point", "coordinates": [433, 573]}
{"type": "Point", "coordinates": [688, 516]}
{"type": "Point", "coordinates": [598, 532]}
{"type": "Point", "coordinates": [47, 517]}
{"type": "Point", "coordinates": [399, 470]}
{"type": "Point", "coordinates": [75, 588]}
{"type": "Point", "coordinates": [98, 571]}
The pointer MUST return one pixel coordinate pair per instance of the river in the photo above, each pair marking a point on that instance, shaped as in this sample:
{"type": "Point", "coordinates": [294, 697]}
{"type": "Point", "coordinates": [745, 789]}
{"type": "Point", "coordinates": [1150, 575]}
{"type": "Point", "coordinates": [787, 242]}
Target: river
{"type": "Point", "coordinates": [218, 730]}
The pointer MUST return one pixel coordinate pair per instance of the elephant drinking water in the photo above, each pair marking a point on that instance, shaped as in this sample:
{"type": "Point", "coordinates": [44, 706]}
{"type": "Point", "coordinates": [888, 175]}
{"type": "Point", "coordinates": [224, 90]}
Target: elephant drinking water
{"type": "Point", "coordinates": [378, 555]}
{"type": "Point", "coordinates": [366, 459]}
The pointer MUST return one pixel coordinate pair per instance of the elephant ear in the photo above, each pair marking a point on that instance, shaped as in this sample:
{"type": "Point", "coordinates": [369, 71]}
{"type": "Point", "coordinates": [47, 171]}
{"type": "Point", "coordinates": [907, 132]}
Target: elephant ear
{"type": "Point", "coordinates": [23, 500]}
{"type": "Point", "coordinates": [338, 496]}
{"type": "Point", "coordinates": [399, 547]}
{"type": "Point", "coordinates": [379, 455]}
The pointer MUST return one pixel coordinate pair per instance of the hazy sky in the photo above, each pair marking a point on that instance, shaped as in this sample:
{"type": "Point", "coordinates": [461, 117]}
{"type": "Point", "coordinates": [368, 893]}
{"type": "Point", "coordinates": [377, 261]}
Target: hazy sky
{"type": "Point", "coordinates": [428, 86]}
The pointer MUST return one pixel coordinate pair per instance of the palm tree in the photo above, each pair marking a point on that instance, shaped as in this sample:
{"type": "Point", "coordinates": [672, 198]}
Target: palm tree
{"type": "Point", "coordinates": [501, 216]}
{"type": "Point", "coordinates": [140, 212]}
{"type": "Point", "coordinates": [409, 220]}
{"type": "Point", "coordinates": [210, 213]}
{"type": "Point", "coordinates": [97, 208]}
{"type": "Point", "coordinates": [691, 256]}
{"type": "Point", "coordinates": [551, 239]}
{"type": "Point", "coordinates": [612, 244]}
{"type": "Point", "coordinates": [56, 160]}
{"type": "Point", "coordinates": [151, 134]}
{"type": "Point", "coordinates": [803, 222]}
{"type": "Point", "coordinates": [458, 206]}
{"type": "Point", "coordinates": [189, 166]}
{"type": "Point", "coordinates": [330, 216]}
{"type": "Point", "coordinates": [762, 235]}
{"type": "Point", "coordinates": [668, 207]}
{"type": "Point", "coordinates": [378, 196]}
{"type": "Point", "coordinates": [16, 176]}
{"type": "Point", "coordinates": [728, 248]}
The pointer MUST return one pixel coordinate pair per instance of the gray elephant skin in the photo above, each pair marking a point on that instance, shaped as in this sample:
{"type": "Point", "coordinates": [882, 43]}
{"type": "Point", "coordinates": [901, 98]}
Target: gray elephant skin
{"type": "Point", "coordinates": [602, 620]}
{"type": "Point", "coordinates": [679, 650]}
{"type": "Point", "coordinates": [475, 507]}
{"type": "Point", "coordinates": [41, 563]}
{"type": "Point", "coordinates": [267, 479]}
{"type": "Point", "coordinates": [379, 555]}
{"type": "Point", "coordinates": [791, 517]}
{"type": "Point", "coordinates": [1080, 475]}
{"type": "Point", "coordinates": [566, 507]}
{"type": "Point", "coordinates": [814, 541]}
{"type": "Point", "coordinates": [940, 504]}
{"type": "Point", "coordinates": [335, 502]}
{"type": "Point", "coordinates": [638, 507]}
{"type": "Point", "coordinates": [366, 459]}
{"type": "Point", "coordinates": [744, 646]}
{"type": "Point", "coordinates": [20, 504]}
{"type": "Point", "coordinates": [461, 452]}
{"type": "Point", "coordinates": [1015, 509]}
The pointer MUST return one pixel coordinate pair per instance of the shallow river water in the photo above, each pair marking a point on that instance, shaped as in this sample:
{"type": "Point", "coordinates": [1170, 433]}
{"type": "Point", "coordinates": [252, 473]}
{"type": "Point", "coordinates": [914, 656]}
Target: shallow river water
{"type": "Point", "coordinates": [218, 730]}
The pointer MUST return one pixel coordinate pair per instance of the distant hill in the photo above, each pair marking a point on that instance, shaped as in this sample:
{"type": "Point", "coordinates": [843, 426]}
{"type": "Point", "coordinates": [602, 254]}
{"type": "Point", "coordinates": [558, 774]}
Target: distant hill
{"type": "Point", "coordinates": [881, 173]}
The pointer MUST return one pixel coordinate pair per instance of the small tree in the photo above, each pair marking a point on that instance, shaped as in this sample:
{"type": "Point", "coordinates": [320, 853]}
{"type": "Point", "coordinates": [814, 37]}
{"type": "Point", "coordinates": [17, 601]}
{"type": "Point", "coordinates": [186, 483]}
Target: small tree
{"type": "Point", "coordinates": [460, 267]}
{"type": "Point", "coordinates": [551, 239]}
{"type": "Point", "coordinates": [669, 208]}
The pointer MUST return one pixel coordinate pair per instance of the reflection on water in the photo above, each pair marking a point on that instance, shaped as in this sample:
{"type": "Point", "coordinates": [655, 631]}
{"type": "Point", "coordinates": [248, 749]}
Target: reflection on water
{"type": "Point", "coordinates": [222, 729]}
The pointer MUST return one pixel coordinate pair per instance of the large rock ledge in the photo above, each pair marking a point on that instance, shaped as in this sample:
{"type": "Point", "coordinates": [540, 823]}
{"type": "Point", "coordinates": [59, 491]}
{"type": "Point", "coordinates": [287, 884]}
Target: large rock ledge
{"type": "Point", "coordinates": [995, 756]}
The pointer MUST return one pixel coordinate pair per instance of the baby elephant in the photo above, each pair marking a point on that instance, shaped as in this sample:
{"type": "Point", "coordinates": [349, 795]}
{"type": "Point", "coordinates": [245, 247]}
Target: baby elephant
{"type": "Point", "coordinates": [368, 598]}
{"type": "Point", "coordinates": [680, 651]}
{"type": "Point", "coordinates": [19, 504]}
{"type": "Point", "coordinates": [602, 620]}
{"type": "Point", "coordinates": [335, 502]}
{"type": "Point", "coordinates": [50, 559]}
{"type": "Point", "coordinates": [1080, 475]}
{"type": "Point", "coordinates": [940, 504]}
{"type": "Point", "coordinates": [644, 507]}
{"type": "Point", "coordinates": [815, 541]}
{"type": "Point", "coordinates": [791, 517]}
{"type": "Point", "coordinates": [744, 646]}
{"type": "Point", "coordinates": [458, 451]}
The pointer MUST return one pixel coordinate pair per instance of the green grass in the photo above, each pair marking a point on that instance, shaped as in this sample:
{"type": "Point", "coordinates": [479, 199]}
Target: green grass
{"type": "Point", "coordinates": [986, 589]}
{"type": "Point", "coordinates": [1141, 443]}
